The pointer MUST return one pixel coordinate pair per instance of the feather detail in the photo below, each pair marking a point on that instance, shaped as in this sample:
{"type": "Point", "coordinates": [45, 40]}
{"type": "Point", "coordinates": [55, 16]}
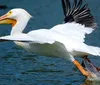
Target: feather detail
{"type": "Point", "coordinates": [78, 13]}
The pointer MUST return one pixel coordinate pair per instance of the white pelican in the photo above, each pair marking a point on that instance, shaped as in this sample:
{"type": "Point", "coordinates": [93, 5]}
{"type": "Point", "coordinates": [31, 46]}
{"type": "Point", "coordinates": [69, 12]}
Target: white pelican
{"type": "Point", "coordinates": [63, 40]}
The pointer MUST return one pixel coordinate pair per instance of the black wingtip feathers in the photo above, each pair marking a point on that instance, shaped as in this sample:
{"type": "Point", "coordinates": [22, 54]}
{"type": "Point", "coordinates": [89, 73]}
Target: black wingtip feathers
{"type": "Point", "coordinates": [78, 13]}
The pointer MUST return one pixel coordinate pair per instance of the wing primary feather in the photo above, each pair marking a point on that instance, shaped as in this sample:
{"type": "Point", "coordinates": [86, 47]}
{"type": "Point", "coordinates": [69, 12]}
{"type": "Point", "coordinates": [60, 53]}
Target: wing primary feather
{"type": "Point", "coordinates": [73, 6]}
{"type": "Point", "coordinates": [64, 7]}
{"type": "Point", "coordinates": [3, 40]}
{"type": "Point", "coordinates": [68, 7]}
{"type": "Point", "coordinates": [78, 13]}
{"type": "Point", "coordinates": [79, 4]}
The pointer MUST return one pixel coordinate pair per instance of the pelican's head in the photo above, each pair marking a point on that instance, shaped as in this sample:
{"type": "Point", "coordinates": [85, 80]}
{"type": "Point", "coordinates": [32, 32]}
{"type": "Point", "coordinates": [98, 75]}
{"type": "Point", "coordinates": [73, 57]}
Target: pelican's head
{"type": "Point", "coordinates": [14, 15]}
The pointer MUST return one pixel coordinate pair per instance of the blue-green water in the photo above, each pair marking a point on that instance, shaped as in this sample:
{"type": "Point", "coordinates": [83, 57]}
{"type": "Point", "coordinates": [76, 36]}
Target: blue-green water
{"type": "Point", "coordinates": [18, 67]}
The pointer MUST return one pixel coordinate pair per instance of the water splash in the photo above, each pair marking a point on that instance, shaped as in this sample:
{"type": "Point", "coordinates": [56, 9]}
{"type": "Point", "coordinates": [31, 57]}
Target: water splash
{"type": "Point", "coordinates": [94, 77]}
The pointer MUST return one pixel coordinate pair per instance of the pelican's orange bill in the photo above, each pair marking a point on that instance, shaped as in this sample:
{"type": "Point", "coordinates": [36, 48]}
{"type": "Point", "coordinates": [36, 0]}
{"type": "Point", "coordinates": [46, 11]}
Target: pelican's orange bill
{"type": "Point", "coordinates": [3, 17]}
{"type": "Point", "coordinates": [8, 21]}
{"type": "Point", "coordinates": [5, 20]}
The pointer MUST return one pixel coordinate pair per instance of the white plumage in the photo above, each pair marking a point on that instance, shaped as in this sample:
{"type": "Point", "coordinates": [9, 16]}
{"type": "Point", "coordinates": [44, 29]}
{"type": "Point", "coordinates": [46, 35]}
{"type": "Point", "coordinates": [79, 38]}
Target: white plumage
{"type": "Point", "coordinates": [68, 37]}
{"type": "Point", "coordinates": [64, 40]}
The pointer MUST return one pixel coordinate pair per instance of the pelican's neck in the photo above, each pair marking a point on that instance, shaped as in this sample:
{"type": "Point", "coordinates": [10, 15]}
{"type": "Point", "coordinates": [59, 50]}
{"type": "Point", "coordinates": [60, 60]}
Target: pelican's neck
{"type": "Point", "coordinates": [20, 25]}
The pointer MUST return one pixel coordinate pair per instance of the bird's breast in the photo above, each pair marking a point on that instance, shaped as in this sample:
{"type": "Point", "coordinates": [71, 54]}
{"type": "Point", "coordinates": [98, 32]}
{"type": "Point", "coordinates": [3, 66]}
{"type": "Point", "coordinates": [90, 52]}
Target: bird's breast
{"type": "Point", "coordinates": [52, 50]}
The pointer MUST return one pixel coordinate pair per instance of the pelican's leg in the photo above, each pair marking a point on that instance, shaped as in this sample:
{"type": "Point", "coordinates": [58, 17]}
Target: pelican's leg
{"type": "Point", "coordinates": [81, 69]}
{"type": "Point", "coordinates": [84, 58]}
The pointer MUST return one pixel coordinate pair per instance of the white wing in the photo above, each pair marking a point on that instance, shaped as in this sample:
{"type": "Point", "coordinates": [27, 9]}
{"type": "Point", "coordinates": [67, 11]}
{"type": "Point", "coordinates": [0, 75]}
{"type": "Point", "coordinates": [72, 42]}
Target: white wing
{"type": "Point", "coordinates": [16, 37]}
{"type": "Point", "coordinates": [42, 36]}
{"type": "Point", "coordinates": [33, 36]}
{"type": "Point", "coordinates": [73, 30]}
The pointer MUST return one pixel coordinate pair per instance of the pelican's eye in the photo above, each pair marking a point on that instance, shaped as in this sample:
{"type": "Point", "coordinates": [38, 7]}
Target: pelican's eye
{"type": "Point", "coordinates": [9, 13]}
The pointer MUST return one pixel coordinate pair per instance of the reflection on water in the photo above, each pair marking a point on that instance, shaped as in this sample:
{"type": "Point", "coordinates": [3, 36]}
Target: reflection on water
{"type": "Point", "coordinates": [17, 67]}
{"type": "Point", "coordinates": [92, 82]}
{"type": "Point", "coordinates": [94, 73]}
